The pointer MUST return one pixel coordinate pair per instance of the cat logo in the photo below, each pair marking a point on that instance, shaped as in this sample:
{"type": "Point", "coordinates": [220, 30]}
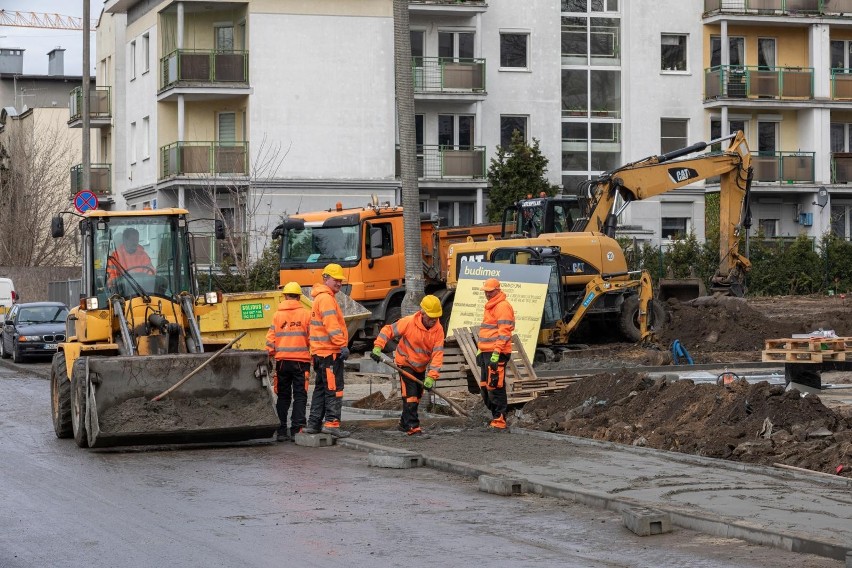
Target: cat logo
{"type": "Point", "coordinates": [472, 257]}
{"type": "Point", "coordinates": [681, 175]}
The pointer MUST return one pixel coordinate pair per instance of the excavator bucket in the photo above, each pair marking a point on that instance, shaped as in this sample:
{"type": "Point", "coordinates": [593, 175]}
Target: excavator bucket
{"type": "Point", "coordinates": [682, 289]}
{"type": "Point", "coordinates": [229, 400]}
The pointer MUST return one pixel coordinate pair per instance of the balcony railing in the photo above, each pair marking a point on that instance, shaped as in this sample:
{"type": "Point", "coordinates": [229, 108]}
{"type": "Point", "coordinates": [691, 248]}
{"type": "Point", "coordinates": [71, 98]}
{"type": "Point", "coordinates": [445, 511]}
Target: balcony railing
{"type": "Point", "coordinates": [785, 167]}
{"type": "Point", "coordinates": [195, 66]}
{"type": "Point", "coordinates": [100, 179]}
{"type": "Point", "coordinates": [204, 158]}
{"type": "Point", "coordinates": [778, 7]}
{"type": "Point", "coordinates": [448, 74]}
{"type": "Point", "coordinates": [99, 103]}
{"type": "Point", "coordinates": [841, 83]}
{"type": "Point", "coordinates": [841, 167]}
{"type": "Point", "coordinates": [208, 250]}
{"type": "Point", "coordinates": [740, 82]}
{"type": "Point", "coordinates": [440, 162]}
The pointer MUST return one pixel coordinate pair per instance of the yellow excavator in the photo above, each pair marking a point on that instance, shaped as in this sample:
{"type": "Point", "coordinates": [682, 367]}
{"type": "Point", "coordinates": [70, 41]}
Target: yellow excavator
{"type": "Point", "coordinates": [134, 368]}
{"type": "Point", "coordinates": [590, 280]}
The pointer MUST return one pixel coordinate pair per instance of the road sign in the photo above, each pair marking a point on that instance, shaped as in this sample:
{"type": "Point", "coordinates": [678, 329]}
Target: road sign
{"type": "Point", "coordinates": [85, 200]}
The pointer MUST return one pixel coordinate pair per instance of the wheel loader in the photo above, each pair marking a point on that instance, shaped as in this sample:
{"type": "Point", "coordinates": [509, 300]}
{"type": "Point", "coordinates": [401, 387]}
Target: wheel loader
{"type": "Point", "coordinates": [135, 335]}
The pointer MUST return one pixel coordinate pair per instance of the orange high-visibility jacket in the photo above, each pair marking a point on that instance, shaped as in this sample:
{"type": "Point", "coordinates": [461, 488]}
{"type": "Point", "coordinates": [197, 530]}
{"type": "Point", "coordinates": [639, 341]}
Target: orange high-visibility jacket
{"type": "Point", "coordinates": [328, 328]}
{"type": "Point", "coordinates": [498, 324]}
{"type": "Point", "coordinates": [288, 335]}
{"type": "Point", "coordinates": [419, 348]}
{"type": "Point", "coordinates": [127, 261]}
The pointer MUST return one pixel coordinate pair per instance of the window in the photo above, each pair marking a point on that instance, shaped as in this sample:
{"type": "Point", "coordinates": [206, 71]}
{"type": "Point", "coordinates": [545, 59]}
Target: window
{"type": "Point", "coordinates": [132, 60]}
{"type": "Point", "coordinates": [224, 37]}
{"type": "Point", "coordinates": [674, 227]}
{"type": "Point", "coordinates": [381, 240]}
{"type": "Point", "coordinates": [733, 127]}
{"type": "Point", "coordinates": [766, 53]}
{"type": "Point", "coordinates": [595, 5]}
{"type": "Point", "coordinates": [418, 38]}
{"type": "Point", "coordinates": [456, 213]}
{"type": "Point", "coordinates": [513, 50]}
{"type": "Point", "coordinates": [452, 45]}
{"type": "Point", "coordinates": [226, 127]}
{"type": "Point", "coordinates": [767, 138]}
{"type": "Point", "coordinates": [455, 130]}
{"type": "Point", "coordinates": [769, 227]}
{"type": "Point", "coordinates": [132, 142]}
{"type": "Point", "coordinates": [736, 51]}
{"type": "Point", "coordinates": [839, 217]}
{"type": "Point", "coordinates": [673, 134]}
{"type": "Point", "coordinates": [673, 52]}
{"type": "Point", "coordinates": [146, 138]}
{"type": "Point", "coordinates": [146, 53]}
{"type": "Point", "coordinates": [508, 125]}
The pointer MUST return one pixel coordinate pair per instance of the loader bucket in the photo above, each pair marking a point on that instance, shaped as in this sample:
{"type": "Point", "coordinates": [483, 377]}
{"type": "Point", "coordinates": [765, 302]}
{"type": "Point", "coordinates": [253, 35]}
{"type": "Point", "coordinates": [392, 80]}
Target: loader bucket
{"type": "Point", "coordinates": [682, 289]}
{"type": "Point", "coordinates": [229, 400]}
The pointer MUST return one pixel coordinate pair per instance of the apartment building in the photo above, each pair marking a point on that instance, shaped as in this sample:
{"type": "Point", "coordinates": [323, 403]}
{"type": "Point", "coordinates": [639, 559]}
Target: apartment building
{"type": "Point", "coordinates": [267, 107]}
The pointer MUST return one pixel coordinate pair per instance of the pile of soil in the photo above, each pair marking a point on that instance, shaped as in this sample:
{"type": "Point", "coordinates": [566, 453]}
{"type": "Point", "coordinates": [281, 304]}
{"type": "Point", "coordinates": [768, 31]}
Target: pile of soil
{"type": "Point", "coordinates": [377, 401]}
{"type": "Point", "coordinates": [141, 415]}
{"type": "Point", "coordinates": [755, 423]}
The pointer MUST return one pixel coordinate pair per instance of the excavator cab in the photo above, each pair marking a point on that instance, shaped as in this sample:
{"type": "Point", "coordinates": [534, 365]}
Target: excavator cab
{"type": "Point", "coordinates": [533, 216]}
{"type": "Point", "coordinates": [135, 335]}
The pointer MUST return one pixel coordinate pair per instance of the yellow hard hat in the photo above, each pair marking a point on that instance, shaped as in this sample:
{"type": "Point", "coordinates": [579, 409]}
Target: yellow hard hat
{"type": "Point", "coordinates": [292, 288]}
{"type": "Point", "coordinates": [432, 306]}
{"type": "Point", "coordinates": [334, 271]}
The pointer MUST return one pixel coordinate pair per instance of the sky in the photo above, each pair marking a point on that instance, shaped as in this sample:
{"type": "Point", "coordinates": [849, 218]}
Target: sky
{"type": "Point", "coordinates": [38, 41]}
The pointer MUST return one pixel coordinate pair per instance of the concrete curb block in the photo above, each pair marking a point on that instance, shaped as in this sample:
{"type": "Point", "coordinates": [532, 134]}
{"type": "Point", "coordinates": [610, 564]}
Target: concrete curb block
{"type": "Point", "coordinates": [501, 485]}
{"type": "Point", "coordinates": [314, 440]}
{"type": "Point", "coordinates": [687, 458]}
{"type": "Point", "coordinates": [394, 460]}
{"type": "Point", "coordinates": [642, 521]}
{"type": "Point", "coordinates": [700, 521]}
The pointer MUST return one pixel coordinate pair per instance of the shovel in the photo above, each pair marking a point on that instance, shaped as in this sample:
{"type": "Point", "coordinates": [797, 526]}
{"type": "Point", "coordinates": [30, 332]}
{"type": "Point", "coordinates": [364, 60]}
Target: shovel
{"type": "Point", "coordinates": [387, 361]}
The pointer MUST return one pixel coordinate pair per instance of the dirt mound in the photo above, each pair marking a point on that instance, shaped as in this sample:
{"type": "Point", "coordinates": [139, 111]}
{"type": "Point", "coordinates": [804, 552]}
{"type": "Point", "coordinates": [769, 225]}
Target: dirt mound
{"type": "Point", "coordinates": [377, 401]}
{"type": "Point", "coordinates": [756, 423]}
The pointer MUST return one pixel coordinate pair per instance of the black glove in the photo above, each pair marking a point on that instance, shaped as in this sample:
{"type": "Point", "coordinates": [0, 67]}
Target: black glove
{"type": "Point", "coordinates": [344, 353]}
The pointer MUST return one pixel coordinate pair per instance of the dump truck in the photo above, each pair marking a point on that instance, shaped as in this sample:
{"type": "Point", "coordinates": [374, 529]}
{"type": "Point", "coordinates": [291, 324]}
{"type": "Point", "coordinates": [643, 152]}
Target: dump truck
{"type": "Point", "coordinates": [591, 280]}
{"type": "Point", "coordinates": [134, 337]}
{"type": "Point", "coordinates": [368, 243]}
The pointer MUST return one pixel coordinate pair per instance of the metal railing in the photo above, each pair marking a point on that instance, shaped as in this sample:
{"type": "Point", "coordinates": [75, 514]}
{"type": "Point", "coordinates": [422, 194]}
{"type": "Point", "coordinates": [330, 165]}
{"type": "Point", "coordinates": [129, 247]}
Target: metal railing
{"type": "Point", "coordinates": [439, 162]}
{"type": "Point", "coordinates": [742, 82]}
{"type": "Point", "coordinates": [785, 167]}
{"type": "Point", "coordinates": [99, 103]}
{"type": "Point", "coordinates": [207, 250]}
{"type": "Point", "coordinates": [448, 74]}
{"type": "Point", "coordinates": [841, 83]}
{"type": "Point", "coordinates": [841, 167]}
{"type": "Point", "coordinates": [203, 66]}
{"type": "Point", "coordinates": [779, 7]}
{"type": "Point", "coordinates": [204, 158]}
{"type": "Point", "coordinates": [449, 2]}
{"type": "Point", "coordinates": [100, 179]}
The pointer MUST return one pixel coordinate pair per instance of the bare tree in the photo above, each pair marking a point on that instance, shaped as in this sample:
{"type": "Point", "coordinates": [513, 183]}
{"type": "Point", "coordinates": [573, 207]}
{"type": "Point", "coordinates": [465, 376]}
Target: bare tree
{"type": "Point", "coordinates": [414, 282]}
{"type": "Point", "coordinates": [37, 150]}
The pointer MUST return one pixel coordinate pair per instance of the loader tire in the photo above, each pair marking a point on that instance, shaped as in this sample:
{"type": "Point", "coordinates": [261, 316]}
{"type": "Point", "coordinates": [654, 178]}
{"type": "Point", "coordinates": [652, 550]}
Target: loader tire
{"type": "Point", "coordinates": [79, 403]}
{"type": "Point", "coordinates": [629, 318]}
{"type": "Point", "coordinates": [60, 397]}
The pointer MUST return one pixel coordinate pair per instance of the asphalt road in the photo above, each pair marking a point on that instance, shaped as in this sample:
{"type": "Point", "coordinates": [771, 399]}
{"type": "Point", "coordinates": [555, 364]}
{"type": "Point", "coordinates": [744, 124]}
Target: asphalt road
{"type": "Point", "coordinates": [281, 505]}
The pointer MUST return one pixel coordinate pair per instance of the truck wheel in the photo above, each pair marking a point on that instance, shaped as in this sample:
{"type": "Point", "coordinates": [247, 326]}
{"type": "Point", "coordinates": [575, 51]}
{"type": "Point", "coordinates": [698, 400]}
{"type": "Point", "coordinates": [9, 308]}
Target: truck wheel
{"type": "Point", "coordinates": [60, 397]}
{"type": "Point", "coordinates": [393, 314]}
{"type": "Point", "coordinates": [78, 403]}
{"type": "Point", "coordinates": [629, 318]}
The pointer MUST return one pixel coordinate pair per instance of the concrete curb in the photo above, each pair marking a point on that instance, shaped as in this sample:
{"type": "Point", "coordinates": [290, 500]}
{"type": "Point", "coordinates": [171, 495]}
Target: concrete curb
{"type": "Point", "coordinates": [717, 463]}
{"type": "Point", "coordinates": [688, 518]}
{"type": "Point", "coordinates": [25, 368]}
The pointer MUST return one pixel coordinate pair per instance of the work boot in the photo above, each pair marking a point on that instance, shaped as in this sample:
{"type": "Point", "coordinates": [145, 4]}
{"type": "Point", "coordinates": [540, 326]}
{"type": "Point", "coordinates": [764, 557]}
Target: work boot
{"type": "Point", "coordinates": [294, 431]}
{"type": "Point", "coordinates": [283, 436]}
{"type": "Point", "coordinates": [333, 429]}
{"type": "Point", "coordinates": [498, 423]}
{"type": "Point", "coordinates": [311, 429]}
{"type": "Point", "coordinates": [416, 431]}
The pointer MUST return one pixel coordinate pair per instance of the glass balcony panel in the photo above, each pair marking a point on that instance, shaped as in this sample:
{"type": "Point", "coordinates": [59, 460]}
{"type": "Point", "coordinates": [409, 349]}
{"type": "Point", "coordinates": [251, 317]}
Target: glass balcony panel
{"type": "Point", "coordinates": [438, 162]}
{"type": "Point", "coordinates": [797, 167]}
{"type": "Point", "coordinates": [230, 67]}
{"type": "Point", "coordinates": [194, 66]}
{"type": "Point", "coordinates": [841, 84]}
{"type": "Point", "coordinates": [838, 7]}
{"type": "Point", "coordinates": [230, 160]}
{"type": "Point", "coordinates": [841, 167]}
{"type": "Point", "coordinates": [764, 84]}
{"type": "Point", "coordinates": [204, 158]}
{"type": "Point", "coordinates": [100, 179]}
{"type": "Point", "coordinates": [766, 167]}
{"type": "Point", "coordinates": [439, 74]}
{"type": "Point", "coordinates": [712, 83]}
{"type": "Point", "coordinates": [200, 66]}
{"type": "Point", "coordinates": [99, 103]}
{"type": "Point", "coordinates": [797, 83]}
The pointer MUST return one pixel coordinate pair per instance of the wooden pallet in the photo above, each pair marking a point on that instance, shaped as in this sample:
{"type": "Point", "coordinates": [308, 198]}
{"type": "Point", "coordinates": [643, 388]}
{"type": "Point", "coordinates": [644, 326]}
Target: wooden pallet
{"type": "Point", "coordinates": [785, 356]}
{"type": "Point", "coordinates": [810, 344]}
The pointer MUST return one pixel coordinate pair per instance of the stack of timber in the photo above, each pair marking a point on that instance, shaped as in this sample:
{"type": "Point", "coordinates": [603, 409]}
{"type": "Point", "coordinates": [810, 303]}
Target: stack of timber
{"type": "Point", "coordinates": [806, 350]}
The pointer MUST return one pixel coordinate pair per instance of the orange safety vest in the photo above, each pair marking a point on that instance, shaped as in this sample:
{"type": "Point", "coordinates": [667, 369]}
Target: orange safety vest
{"type": "Point", "coordinates": [498, 324]}
{"type": "Point", "coordinates": [127, 261]}
{"type": "Point", "coordinates": [328, 328]}
{"type": "Point", "coordinates": [419, 348]}
{"type": "Point", "coordinates": [287, 337]}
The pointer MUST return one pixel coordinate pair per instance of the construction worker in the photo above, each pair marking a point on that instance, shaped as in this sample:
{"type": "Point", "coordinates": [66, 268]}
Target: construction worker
{"type": "Point", "coordinates": [287, 342]}
{"type": "Point", "coordinates": [419, 351]}
{"type": "Point", "coordinates": [495, 350]}
{"type": "Point", "coordinates": [329, 340]}
{"type": "Point", "coordinates": [129, 257]}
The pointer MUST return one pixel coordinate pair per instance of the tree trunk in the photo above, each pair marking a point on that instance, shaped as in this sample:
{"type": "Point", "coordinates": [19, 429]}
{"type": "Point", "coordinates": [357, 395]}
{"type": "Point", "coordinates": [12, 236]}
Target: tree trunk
{"type": "Point", "coordinates": [414, 284]}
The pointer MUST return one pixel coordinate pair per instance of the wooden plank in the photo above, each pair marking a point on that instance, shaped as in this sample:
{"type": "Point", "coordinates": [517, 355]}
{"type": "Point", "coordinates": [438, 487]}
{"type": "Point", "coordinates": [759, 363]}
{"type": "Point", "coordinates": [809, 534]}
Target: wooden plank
{"type": "Point", "coordinates": [810, 344]}
{"type": "Point", "coordinates": [771, 355]}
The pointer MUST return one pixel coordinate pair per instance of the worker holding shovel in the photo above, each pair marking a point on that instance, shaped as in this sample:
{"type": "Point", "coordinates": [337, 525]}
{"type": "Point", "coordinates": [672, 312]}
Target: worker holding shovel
{"type": "Point", "coordinates": [419, 352]}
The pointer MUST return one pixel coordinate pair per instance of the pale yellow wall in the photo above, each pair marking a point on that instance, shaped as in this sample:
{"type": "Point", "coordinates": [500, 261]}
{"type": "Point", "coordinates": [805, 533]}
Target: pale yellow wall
{"type": "Point", "coordinates": [166, 124]}
{"type": "Point", "coordinates": [377, 8]}
{"type": "Point", "coordinates": [791, 44]}
{"type": "Point", "coordinates": [200, 120]}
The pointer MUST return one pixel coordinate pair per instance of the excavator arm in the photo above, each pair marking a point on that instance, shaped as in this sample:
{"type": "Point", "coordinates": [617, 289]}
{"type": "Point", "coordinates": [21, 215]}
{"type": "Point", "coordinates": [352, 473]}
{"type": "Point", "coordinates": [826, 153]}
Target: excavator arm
{"type": "Point", "coordinates": [655, 175]}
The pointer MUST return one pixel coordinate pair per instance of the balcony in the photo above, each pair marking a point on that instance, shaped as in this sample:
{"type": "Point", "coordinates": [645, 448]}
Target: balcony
{"type": "Point", "coordinates": [447, 7]}
{"type": "Point", "coordinates": [443, 78]}
{"type": "Point", "coordinates": [738, 82]}
{"type": "Point", "coordinates": [207, 250]}
{"type": "Point", "coordinates": [100, 179]}
{"type": "Point", "coordinates": [200, 159]}
{"type": "Point", "coordinates": [100, 111]}
{"type": "Point", "coordinates": [784, 167]}
{"type": "Point", "coordinates": [778, 7]}
{"type": "Point", "coordinates": [448, 162]}
{"type": "Point", "coordinates": [841, 167]}
{"type": "Point", "coordinates": [841, 84]}
{"type": "Point", "coordinates": [204, 74]}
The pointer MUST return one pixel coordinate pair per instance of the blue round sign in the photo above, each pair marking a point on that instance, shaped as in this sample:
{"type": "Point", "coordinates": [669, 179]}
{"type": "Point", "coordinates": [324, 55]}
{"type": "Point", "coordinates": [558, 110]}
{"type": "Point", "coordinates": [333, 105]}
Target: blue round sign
{"type": "Point", "coordinates": [85, 200]}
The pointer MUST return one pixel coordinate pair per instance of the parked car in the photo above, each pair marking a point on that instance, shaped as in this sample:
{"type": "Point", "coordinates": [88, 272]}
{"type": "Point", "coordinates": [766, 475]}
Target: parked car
{"type": "Point", "coordinates": [33, 328]}
{"type": "Point", "coordinates": [8, 296]}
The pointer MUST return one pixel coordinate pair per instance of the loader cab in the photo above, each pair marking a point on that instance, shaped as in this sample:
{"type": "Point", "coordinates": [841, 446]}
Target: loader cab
{"type": "Point", "coordinates": [554, 303]}
{"type": "Point", "coordinates": [136, 255]}
{"type": "Point", "coordinates": [532, 217]}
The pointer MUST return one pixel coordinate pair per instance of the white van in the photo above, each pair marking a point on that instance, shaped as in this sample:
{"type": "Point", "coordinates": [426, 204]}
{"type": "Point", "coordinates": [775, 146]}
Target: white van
{"type": "Point", "coordinates": [8, 296]}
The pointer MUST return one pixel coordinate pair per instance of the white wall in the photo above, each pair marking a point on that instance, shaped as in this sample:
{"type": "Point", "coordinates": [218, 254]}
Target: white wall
{"type": "Point", "coordinates": [141, 97]}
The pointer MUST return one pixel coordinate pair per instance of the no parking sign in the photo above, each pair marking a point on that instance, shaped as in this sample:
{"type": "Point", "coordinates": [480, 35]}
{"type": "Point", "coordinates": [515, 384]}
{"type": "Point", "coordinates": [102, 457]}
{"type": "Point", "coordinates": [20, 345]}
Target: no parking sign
{"type": "Point", "coordinates": [85, 200]}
